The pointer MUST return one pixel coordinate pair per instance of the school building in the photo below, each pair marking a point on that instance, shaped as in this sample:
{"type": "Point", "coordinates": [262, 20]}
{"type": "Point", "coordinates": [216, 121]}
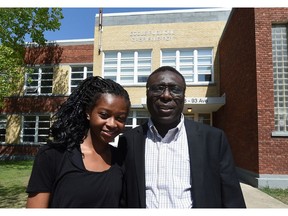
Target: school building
{"type": "Point", "coordinates": [234, 61]}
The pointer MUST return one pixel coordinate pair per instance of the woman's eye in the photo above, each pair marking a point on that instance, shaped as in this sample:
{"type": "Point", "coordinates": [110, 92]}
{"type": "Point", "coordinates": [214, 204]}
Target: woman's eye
{"type": "Point", "coordinates": [103, 115]}
{"type": "Point", "coordinates": [121, 119]}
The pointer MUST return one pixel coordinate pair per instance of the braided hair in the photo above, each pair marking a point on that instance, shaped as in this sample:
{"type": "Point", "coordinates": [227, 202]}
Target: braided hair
{"type": "Point", "coordinates": [70, 125]}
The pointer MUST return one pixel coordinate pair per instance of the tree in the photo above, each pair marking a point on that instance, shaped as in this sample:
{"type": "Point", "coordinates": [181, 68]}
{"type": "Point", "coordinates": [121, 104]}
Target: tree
{"type": "Point", "coordinates": [15, 25]}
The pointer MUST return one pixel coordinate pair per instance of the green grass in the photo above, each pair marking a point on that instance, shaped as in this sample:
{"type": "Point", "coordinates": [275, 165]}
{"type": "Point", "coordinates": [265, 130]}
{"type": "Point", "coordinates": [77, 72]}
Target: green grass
{"type": "Point", "coordinates": [280, 194]}
{"type": "Point", "coordinates": [14, 176]}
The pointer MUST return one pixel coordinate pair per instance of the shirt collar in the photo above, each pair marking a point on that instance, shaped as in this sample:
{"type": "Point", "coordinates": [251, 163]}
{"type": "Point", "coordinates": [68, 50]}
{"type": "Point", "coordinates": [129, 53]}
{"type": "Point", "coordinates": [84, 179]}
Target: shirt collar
{"type": "Point", "coordinates": [172, 134]}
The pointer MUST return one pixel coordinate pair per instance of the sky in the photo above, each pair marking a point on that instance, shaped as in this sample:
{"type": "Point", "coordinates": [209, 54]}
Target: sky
{"type": "Point", "coordinates": [79, 16]}
{"type": "Point", "coordinates": [78, 23]}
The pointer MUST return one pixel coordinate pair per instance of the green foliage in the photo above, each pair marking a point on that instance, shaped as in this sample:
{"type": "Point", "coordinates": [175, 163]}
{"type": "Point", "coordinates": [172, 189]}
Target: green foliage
{"type": "Point", "coordinates": [10, 72]}
{"type": "Point", "coordinates": [16, 24]}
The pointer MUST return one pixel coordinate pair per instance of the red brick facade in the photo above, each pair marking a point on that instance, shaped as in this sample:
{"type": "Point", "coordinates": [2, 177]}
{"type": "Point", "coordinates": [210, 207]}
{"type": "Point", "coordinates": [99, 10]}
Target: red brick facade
{"type": "Point", "coordinates": [54, 54]}
{"type": "Point", "coordinates": [246, 69]}
{"type": "Point", "coordinates": [51, 55]}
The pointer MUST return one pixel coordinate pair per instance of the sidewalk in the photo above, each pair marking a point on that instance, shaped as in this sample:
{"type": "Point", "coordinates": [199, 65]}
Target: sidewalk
{"type": "Point", "coordinates": [255, 198]}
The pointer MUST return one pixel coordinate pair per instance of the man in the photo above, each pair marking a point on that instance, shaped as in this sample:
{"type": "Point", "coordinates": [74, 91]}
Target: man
{"type": "Point", "coordinates": [173, 162]}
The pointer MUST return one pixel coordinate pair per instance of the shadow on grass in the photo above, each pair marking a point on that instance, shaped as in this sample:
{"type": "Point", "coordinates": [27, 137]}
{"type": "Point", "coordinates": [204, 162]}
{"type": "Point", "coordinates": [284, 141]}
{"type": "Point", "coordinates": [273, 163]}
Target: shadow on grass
{"type": "Point", "coordinates": [12, 197]}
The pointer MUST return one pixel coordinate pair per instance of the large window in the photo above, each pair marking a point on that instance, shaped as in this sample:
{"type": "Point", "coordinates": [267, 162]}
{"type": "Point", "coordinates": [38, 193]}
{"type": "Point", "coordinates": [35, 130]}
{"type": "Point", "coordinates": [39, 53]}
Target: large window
{"type": "Point", "coordinates": [3, 122]}
{"type": "Point", "coordinates": [35, 129]}
{"type": "Point", "coordinates": [280, 73]}
{"type": "Point", "coordinates": [196, 65]}
{"type": "Point", "coordinates": [79, 73]}
{"type": "Point", "coordinates": [127, 67]}
{"type": "Point", "coordinates": [39, 82]}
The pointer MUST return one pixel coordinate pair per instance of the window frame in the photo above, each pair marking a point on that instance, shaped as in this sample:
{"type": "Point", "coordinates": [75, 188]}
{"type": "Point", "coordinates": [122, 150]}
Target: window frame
{"type": "Point", "coordinates": [137, 71]}
{"type": "Point", "coordinates": [37, 89]}
{"type": "Point", "coordinates": [279, 34]}
{"type": "Point", "coordinates": [86, 73]}
{"type": "Point", "coordinates": [36, 128]}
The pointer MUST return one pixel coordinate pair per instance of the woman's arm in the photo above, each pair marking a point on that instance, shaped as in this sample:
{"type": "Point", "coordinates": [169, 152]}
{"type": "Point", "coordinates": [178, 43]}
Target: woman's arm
{"type": "Point", "coordinates": [38, 200]}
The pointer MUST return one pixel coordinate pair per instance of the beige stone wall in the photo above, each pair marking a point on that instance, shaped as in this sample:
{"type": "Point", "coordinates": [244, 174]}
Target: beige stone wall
{"type": "Point", "coordinates": [13, 129]}
{"type": "Point", "coordinates": [61, 80]}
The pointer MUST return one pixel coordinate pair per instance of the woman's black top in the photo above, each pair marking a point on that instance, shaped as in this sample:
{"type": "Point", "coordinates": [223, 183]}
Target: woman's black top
{"type": "Point", "coordinates": [62, 173]}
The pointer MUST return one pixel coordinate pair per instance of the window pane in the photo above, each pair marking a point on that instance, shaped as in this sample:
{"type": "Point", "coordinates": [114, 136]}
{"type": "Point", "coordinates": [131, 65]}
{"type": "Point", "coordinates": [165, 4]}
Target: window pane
{"type": "Point", "coordinates": [204, 118]}
{"type": "Point", "coordinates": [3, 122]}
{"type": "Point", "coordinates": [35, 129]}
{"type": "Point", "coordinates": [280, 74]}
{"type": "Point", "coordinates": [78, 74]}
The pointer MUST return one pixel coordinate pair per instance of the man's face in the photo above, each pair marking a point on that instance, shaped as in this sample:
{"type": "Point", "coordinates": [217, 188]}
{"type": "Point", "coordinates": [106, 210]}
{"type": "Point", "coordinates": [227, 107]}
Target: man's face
{"type": "Point", "coordinates": [165, 98]}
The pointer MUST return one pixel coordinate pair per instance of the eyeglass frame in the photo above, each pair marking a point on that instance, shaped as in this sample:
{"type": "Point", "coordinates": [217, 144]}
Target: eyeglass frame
{"type": "Point", "coordinates": [154, 92]}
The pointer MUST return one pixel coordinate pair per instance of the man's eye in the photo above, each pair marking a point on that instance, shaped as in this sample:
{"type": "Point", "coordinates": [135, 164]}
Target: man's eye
{"type": "Point", "coordinates": [158, 88]}
{"type": "Point", "coordinates": [176, 89]}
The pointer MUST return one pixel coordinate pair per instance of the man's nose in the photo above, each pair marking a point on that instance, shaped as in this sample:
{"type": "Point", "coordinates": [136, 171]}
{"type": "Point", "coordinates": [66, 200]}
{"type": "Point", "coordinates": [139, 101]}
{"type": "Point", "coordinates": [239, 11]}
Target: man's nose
{"type": "Point", "coordinates": [166, 93]}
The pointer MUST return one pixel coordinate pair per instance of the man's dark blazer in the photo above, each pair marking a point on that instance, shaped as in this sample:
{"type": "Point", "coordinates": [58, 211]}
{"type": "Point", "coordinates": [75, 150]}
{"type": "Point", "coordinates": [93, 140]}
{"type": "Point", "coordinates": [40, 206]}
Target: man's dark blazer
{"type": "Point", "coordinates": [213, 177]}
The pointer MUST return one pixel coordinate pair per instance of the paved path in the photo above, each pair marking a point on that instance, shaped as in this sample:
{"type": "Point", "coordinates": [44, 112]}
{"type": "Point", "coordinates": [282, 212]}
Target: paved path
{"type": "Point", "coordinates": [255, 198]}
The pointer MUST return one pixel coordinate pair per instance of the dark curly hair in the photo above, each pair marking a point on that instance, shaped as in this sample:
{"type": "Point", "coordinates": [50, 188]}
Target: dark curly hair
{"type": "Point", "coordinates": [70, 125]}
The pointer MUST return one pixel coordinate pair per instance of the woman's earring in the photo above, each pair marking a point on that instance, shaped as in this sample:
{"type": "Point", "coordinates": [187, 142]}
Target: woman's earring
{"type": "Point", "coordinates": [88, 117]}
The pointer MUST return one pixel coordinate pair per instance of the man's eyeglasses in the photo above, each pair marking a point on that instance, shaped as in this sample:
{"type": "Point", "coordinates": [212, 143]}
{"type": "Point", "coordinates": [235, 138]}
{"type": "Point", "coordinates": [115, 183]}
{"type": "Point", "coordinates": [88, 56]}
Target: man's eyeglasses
{"type": "Point", "coordinates": [158, 90]}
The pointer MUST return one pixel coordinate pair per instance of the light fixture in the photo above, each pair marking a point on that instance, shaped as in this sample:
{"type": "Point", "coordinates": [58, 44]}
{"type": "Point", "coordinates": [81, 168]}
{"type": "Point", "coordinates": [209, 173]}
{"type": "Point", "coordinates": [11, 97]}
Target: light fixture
{"type": "Point", "coordinates": [189, 110]}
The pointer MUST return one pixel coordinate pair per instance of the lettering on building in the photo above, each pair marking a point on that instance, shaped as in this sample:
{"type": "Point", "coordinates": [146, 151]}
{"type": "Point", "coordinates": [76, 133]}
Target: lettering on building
{"type": "Point", "coordinates": [196, 100]}
{"type": "Point", "coordinates": [154, 35]}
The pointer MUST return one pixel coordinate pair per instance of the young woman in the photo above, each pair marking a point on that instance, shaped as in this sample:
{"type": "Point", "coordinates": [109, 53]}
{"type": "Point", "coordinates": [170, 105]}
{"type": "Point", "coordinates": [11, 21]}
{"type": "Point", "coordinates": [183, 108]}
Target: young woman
{"type": "Point", "coordinates": [78, 167]}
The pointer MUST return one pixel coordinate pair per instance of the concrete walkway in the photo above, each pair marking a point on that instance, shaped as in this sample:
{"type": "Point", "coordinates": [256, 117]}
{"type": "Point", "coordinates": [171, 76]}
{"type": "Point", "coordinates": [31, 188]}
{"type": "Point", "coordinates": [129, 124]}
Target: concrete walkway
{"type": "Point", "coordinates": [255, 198]}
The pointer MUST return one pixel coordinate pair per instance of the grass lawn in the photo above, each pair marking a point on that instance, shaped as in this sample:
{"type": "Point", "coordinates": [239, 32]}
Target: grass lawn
{"type": "Point", "coordinates": [14, 177]}
{"type": "Point", "coordinates": [280, 194]}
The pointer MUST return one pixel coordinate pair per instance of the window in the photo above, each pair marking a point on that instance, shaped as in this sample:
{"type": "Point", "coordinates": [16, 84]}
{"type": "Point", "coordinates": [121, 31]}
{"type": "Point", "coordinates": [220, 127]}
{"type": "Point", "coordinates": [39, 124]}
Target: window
{"type": "Point", "coordinates": [39, 82]}
{"type": "Point", "coordinates": [3, 122]}
{"type": "Point", "coordinates": [127, 67]}
{"type": "Point", "coordinates": [204, 118]}
{"type": "Point", "coordinates": [79, 73]}
{"type": "Point", "coordinates": [35, 129]}
{"type": "Point", "coordinates": [194, 64]}
{"type": "Point", "coordinates": [280, 73]}
{"type": "Point", "coordinates": [135, 118]}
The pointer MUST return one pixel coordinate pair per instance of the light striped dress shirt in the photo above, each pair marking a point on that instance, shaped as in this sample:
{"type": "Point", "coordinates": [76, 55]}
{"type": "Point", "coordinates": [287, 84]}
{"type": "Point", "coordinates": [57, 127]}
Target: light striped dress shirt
{"type": "Point", "coordinates": [167, 168]}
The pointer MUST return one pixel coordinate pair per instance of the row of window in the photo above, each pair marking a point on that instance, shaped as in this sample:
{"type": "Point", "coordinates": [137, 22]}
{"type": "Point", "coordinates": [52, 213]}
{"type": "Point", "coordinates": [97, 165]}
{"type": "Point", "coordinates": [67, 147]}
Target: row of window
{"type": "Point", "coordinates": [35, 128]}
{"type": "Point", "coordinates": [129, 68]}
{"type": "Point", "coordinates": [134, 67]}
{"type": "Point", "coordinates": [40, 80]}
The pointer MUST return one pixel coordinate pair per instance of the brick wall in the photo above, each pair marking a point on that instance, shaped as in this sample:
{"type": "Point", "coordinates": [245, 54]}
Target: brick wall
{"type": "Point", "coordinates": [56, 54]}
{"type": "Point", "coordinates": [273, 151]}
{"type": "Point", "coordinates": [78, 54]}
{"type": "Point", "coordinates": [246, 69]}
{"type": "Point", "coordinates": [33, 104]}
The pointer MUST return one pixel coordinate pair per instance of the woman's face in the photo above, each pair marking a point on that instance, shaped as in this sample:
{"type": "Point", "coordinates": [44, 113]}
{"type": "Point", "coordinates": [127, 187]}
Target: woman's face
{"type": "Point", "coordinates": [107, 118]}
